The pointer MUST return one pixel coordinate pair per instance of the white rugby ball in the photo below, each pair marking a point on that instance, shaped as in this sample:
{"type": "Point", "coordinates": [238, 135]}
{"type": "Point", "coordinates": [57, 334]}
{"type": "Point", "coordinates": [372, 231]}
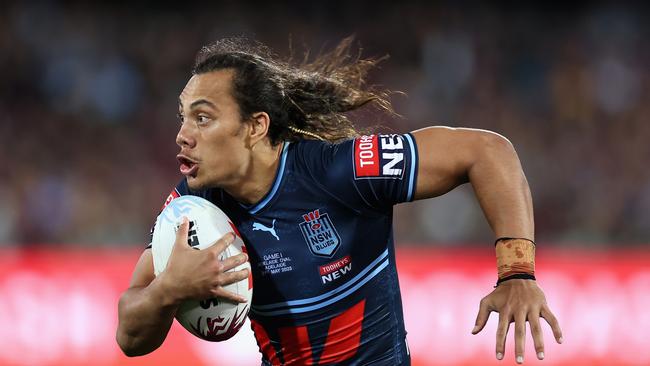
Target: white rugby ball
{"type": "Point", "coordinates": [212, 319]}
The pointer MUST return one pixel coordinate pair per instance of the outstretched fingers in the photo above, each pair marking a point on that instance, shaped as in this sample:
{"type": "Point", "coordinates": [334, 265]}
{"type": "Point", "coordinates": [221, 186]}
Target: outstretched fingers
{"type": "Point", "coordinates": [227, 295]}
{"type": "Point", "coordinates": [552, 321]}
{"type": "Point", "coordinates": [482, 317]}
{"type": "Point", "coordinates": [226, 275]}
{"type": "Point", "coordinates": [502, 333]}
{"type": "Point", "coordinates": [220, 245]}
{"type": "Point", "coordinates": [520, 336]}
{"type": "Point", "coordinates": [226, 279]}
{"type": "Point", "coordinates": [234, 261]}
{"type": "Point", "coordinates": [536, 331]}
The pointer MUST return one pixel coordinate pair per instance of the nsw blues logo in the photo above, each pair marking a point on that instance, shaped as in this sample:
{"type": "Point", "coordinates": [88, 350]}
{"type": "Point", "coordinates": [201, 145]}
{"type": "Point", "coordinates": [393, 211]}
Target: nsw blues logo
{"type": "Point", "coordinates": [320, 234]}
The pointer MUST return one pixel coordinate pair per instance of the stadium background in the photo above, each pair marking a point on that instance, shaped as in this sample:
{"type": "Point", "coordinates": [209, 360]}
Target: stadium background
{"type": "Point", "coordinates": [87, 124]}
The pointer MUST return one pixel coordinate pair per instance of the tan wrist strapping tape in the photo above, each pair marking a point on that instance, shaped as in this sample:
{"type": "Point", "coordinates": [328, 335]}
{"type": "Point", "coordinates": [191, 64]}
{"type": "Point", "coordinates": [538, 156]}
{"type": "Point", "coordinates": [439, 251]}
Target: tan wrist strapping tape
{"type": "Point", "coordinates": [515, 257]}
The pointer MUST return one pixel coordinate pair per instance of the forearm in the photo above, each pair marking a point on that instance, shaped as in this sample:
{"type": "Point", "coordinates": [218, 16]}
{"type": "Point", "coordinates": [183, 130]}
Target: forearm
{"type": "Point", "coordinates": [502, 189]}
{"type": "Point", "coordinates": [145, 316]}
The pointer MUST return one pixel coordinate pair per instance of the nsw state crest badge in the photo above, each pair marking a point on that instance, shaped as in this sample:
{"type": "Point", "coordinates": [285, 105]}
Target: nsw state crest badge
{"type": "Point", "coordinates": [322, 238]}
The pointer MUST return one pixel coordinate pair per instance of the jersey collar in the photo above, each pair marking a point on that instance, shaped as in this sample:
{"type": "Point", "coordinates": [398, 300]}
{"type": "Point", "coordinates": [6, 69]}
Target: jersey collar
{"type": "Point", "coordinates": [276, 184]}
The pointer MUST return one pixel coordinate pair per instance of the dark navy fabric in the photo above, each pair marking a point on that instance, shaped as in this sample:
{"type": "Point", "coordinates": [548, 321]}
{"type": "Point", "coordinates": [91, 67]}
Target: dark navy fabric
{"type": "Point", "coordinates": [321, 249]}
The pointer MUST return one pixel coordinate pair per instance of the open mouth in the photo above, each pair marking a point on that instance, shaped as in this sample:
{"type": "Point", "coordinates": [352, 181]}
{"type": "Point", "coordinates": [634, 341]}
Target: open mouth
{"type": "Point", "coordinates": [187, 167]}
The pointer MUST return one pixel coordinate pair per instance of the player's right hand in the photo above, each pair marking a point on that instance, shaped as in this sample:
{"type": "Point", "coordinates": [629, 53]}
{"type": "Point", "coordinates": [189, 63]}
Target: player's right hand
{"type": "Point", "coordinates": [200, 274]}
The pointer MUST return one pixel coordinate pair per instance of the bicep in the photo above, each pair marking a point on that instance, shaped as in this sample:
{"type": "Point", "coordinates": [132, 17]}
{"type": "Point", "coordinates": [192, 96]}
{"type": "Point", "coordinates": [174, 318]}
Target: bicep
{"type": "Point", "coordinates": [143, 273]}
{"type": "Point", "coordinates": [445, 157]}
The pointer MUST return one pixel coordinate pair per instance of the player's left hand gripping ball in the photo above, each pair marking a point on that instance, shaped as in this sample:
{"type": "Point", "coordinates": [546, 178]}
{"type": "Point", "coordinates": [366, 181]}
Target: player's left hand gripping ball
{"type": "Point", "coordinates": [213, 319]}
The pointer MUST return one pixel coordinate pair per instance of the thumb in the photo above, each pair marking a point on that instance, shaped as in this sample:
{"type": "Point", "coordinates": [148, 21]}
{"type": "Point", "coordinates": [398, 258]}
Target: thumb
{"type": "Point", "coordinates": [181, 234]}
{"type": "Point", "coordinates": [482, 317]}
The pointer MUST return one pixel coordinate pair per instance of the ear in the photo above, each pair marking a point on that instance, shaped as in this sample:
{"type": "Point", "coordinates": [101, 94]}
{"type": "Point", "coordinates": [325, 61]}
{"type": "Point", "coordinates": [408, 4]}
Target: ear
{"type": "Point", "coordinates": [259, 123]}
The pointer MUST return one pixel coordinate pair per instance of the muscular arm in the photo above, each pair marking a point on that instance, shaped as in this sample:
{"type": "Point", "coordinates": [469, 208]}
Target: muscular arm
{"type": "Point", "coordinates": [145, 312]}
{"type": "Point", "coordinates": [453, 156]}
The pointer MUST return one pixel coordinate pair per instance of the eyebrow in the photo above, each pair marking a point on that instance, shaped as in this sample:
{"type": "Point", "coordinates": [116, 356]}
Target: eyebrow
{"type": "Point", "coordinates": [199, 102]}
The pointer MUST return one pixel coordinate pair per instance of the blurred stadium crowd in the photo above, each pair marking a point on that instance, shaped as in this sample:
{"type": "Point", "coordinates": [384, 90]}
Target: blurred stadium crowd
{"type": "Point", "coordinates": [88, 99]}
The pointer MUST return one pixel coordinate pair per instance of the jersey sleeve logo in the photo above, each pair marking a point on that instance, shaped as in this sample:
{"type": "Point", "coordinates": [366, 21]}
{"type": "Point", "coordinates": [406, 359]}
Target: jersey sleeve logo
{"type": "Point", "coordinates": [379, 156]}
{"type": "Point", "coordinates": [319, 233]}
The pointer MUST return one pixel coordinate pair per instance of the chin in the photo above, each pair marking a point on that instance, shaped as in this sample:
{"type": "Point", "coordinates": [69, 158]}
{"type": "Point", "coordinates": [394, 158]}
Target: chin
{"type": "Point", "coordinates": [196, 183]}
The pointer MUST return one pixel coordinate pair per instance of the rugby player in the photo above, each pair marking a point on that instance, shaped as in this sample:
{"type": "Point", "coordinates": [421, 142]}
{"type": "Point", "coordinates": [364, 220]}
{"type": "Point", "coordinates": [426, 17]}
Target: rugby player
{"type": "Point", "coordinates": [270, 144]}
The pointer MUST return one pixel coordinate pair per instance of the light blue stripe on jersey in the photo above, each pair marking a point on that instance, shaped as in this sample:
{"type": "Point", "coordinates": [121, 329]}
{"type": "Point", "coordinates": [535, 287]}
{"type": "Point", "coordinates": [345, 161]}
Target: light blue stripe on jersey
{"type": "Point", "coordinates": [414, 162]}
{"type": "Point", "coordinates": [323, 304]}
{"type": "Point", "coordinates": [276, 184]}
{"type": "Point", "coordinates": [310, 300]}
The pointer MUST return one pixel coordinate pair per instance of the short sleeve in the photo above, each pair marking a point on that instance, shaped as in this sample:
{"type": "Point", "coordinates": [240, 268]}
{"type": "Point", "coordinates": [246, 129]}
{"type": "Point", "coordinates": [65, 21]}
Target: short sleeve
{"type": "Point", "coordinates": [377, 171]}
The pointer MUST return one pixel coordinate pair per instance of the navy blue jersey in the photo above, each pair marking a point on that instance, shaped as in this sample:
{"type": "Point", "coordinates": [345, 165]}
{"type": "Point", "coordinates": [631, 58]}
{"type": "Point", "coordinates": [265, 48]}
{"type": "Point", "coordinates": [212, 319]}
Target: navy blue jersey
{"type": "Point", "coordinates": [321, 249]}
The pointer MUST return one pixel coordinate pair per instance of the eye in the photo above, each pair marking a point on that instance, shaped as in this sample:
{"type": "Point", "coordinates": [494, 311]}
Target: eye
{"type": "Point", "coordinates": [181, 118]}
{"type": "Point", "coordinates": [202, 119]}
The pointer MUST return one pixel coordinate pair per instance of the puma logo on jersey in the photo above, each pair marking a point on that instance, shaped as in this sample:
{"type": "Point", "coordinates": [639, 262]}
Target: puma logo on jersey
{"type": "Point", "coordinates": [257, 226]}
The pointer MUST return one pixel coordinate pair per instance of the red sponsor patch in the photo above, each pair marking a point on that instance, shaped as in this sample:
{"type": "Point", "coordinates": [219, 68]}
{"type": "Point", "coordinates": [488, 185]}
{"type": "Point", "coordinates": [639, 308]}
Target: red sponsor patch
{"type": "Point", "coordinates": [334, 266]}
{"type": "Point", "coordinates": [172, 195]}
{"type": "Point", "coordinates": [366, 156]}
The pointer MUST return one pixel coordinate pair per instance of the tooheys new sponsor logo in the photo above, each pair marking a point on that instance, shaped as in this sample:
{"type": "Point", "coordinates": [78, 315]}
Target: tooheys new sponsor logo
{"type": "Point", "coordinates": [379, 156]}
{"type": "Point", "coordinates": [335, 270]}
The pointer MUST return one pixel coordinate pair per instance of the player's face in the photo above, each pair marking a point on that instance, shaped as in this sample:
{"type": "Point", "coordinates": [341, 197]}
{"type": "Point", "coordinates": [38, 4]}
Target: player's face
{"type": "Point", "coordinates": [212, 136]}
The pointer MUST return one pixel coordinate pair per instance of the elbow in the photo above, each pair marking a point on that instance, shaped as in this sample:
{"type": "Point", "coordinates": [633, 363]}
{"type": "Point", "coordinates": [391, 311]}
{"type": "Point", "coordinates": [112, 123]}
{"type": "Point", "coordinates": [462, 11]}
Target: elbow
{"type": "Point", "coordinates": [134, 345]}
{"type": "Point", "coordinates": [130, 345]}
{"type": "Point", "coordinates": [126, 345]}
{"type": "Point", "coordinates": [493, 142]}
{"type": "Point", "coordinates": [130, 352]}
{"type": "Point", "coordinates": [122, 337]}
{"type": "Point", "coordinates": [495, 154]}
{"type": "Point", "coordinates": [494, 147]}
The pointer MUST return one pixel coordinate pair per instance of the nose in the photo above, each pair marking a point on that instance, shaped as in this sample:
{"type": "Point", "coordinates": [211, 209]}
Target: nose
{"type": "Point", "coordinates": [185, 138]}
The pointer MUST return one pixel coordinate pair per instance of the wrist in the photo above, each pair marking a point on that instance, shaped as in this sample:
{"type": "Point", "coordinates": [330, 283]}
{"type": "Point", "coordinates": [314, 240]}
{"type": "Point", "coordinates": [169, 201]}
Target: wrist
{"type": "Point", "coordinates": [515, 259]}
{"type": "Point", "coordinates": [521, 276]}
{"type": "Point", "coordinates": [164, 292]}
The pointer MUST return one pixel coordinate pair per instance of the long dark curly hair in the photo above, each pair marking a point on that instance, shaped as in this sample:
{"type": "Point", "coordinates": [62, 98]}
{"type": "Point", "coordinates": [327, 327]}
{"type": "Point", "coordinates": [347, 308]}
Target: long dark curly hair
{"type": "Point", "coordinates": [307, 99]}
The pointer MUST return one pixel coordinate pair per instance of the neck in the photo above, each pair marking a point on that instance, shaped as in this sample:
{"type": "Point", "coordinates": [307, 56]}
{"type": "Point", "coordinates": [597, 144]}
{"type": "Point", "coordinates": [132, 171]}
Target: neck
{"type": "Point", "coordinates": [259, 176]}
